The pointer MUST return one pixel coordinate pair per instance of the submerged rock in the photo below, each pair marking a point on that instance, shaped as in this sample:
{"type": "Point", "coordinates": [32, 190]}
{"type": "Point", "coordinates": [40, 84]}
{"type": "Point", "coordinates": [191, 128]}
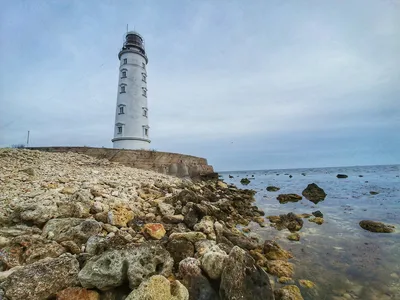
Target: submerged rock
{"type": "Point", "coordinates": [314, 193]}
{"type": "Point", "coordinates": [376, 226]}
{"type": "Point", "coordinates": [290, 221]}
{"type": "Point", "coordinates": [306, 283]}
{"type": "Point", "coordinates": [280, 268]}
{"type": "Point", "coordinates": [316, 220]}
{"type": "Point", "coordinates": [294, 237]}
{"type": "Point", "coordinates": [374, 193]}
{"type": "Point", "coordinates": [317, 214]}
{"type": "Point", "coordinates": [272, 188]}
{"type": "Point", "coordinates": [288, 292]}
{"type": "Point", "coordinates": [341, 176]}
{"type": "Point", "coordinates": [285, 198]}
{"type": "Point", "coordinates": [243, 279]}
{"type": "Point", "coordinates": [42, 279]}
{"type": "Point", "coordinates": [273, 251]}
{"type": "Point", "coordinates": [244, 181]}
{"type": "Point", "coordinates": [158, 287]}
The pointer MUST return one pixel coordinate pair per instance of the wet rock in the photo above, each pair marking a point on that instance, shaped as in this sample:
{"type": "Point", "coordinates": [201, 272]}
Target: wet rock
{"type": "Point", "coordinates": [317, 220]}
{"type": "Point", "coordinates": [280, 268]}
{"type": "Point", "coordinates": [374, 193]}
{"type": "Point", "coordinates": [272, 188]}
{"type": "Point", "coordinates": [289, 221]}
{"type": "Point", "coordinates": [198, 285]}
{"type": "Point", "coordinates": [288, 292]}
{"type": "Point", "coordinates": [306, 283]}
{"type": "Point", "coordinates": [244, 181]}
{"type": "Point", "coordinates": [243, 279]}
{"type": "Point", "coordinates": [273, 251]}
{"type": "Point", "coordinates": [192, 236]}
{"type": "Point", "coordinates": [120, 216]}
{"type": "Point", "coordinates": [230, 176]}
{"type": "Point", "coordinates": [42, 279]}
{"type": "Point", "coordinates": [179, 250]}
{"type": "Point", "coordinates": [71, 229]}
{"type": "Point", "coordinates": [154, 230]}
{"type": "Point", "coordinates": [341, 176]}
{"type": "Point", "coordinates": [158, 287]}
{"type": "Point", "coordinates": [136, 264]}
{"type": "Point", "coordinates": [314, 193]}
{"type": "Point", "coordinates": [77, 293]}
{"type": "Point", "coordinates": [290, 176]}
{"type": "Point", "coordinates": [294, 237]}
{"type": "Point", "coordinates": [376, 226]}
{"type": "Point", "coordinates": [285, 198]}
{"type": "Point", "coordinates": [317, 214]}
{"type": "Point", "coordinates": [213, 262]}
{"type": "Point", "coordinates": [285, 280]}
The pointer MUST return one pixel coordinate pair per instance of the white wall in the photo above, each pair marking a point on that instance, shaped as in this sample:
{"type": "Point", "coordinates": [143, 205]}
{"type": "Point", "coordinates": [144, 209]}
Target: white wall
{"type": "Point", "coordinates": [133, 120]}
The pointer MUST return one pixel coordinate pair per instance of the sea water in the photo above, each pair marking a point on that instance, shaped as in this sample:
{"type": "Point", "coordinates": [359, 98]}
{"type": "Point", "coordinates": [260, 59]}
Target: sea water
{"type": "Point", "coordinates": [342, 259]}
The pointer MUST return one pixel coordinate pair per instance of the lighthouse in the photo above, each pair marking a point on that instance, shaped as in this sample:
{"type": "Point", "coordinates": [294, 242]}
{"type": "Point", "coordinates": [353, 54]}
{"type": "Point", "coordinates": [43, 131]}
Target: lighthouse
{"type": "Point", "coordinates": [131, 128]}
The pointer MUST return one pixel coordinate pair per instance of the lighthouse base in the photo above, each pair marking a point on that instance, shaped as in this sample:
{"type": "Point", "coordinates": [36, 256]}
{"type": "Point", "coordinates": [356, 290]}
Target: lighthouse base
{"type": "Point", "coordinates": [132, 143]}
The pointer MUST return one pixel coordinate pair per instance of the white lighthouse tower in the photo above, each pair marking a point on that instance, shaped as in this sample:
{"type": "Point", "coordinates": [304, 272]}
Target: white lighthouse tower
{"type": "Point", "coordinates": [131, 128]}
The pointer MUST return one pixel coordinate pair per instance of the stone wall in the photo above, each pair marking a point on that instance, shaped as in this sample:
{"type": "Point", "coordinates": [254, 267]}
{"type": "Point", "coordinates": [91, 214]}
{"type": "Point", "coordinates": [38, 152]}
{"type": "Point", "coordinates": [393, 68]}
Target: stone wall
{"type": "Point", "coordinates": [174, 164]}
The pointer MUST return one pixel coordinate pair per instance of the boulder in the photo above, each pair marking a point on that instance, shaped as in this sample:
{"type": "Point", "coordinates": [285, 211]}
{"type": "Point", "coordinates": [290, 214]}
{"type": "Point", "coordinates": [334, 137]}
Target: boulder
{"type": "Point", "coordinates": [306, 283]}
{"type": "Point", "coordinates": [294, 237]}
{"type": "Point", "coordinates": [77, 293]}
{"type": "Point", "coordinates": [166, 209]}
{"type": "Point", "coordinates": [285, 198]}
{"type": "Point", "coordinates": [154, 230]}
{"type": "Point", "coordinates": [272, 188]}
{"type": "Point", "coordinates": [244, 181]}
{"type": "Point", "coordinates": [158, 287]}
{"type": "Point", "coordinates": [203, 246]}
{"type": "Point", "coordinates": [135, 264]}
{"type": "Point", "coordinates": [273, 251]}
{"type": "Point", "coordinates": [192, 236]}
{"type": "Point", "coordinates": [173, 219]}
{"type": "Point", "coordinates": [280, 268]}
{"type": "Point", "coordinates": [243, 279]}
{"type": "Point", "coordinates": [71, 229]}
{"type": "Point", "coordinates": [180, 249]}
{"type": "Point", "coordinates": [240, 240]}
{"type": "Point", "coordinates": [314, 193]}
{"type": "Point", "coordinates": [213, 262]}
{"type": "Point", "coordinates": [288, 292]}
{"type": "Point", "coordinates": [341, 176]}
{"type": "Point", "coordinates": [43, 279]}
{"type": "Point", "coordinates": [290, 221]}
{"type": "Point", "coordinates": [316, 220]}
{"type": "Point", "coordinates": [120, 216]}
{"type": "Point", "coordinates": [376, 226]}
{"type": "Point", "coordinates": [206, 225]}
{"type": "Point", "coordinates": [317, 214]}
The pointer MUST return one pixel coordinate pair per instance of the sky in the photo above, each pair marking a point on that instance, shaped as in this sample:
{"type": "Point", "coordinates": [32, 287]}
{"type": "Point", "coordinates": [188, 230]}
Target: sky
{"type": "Point", "coordinates": [246, 84]}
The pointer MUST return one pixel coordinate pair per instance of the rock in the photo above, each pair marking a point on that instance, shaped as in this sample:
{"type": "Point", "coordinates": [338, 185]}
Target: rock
{"type": "Point", "coordinates": [29, 171]}
{"type": "Point", "coordinates": [119, 216]}
{"type": "Point", "coordinates": [175, 219]}
{"type": "Point", "coordinates": [71, 247]}
{"type": "Point", "coordinates": [285, 198]}
{"type": "Point", "coordinates": [273, 251]}
{"type": "Point", "coordinates": [213, 262]}
{"type": "Point", "coordinates": [245, 181]}
{"type": "Point", "coordinates": [317, 214]}
{"type": "Point", "coordinates": [294, 237]}
{"type": "Point", "coordinates": [135, 264]}
{"type": "Point", "coordinates": [243, 279]}
{"type": "Point", "coordinates": [272, 188]}
{"type": "Point", "coordinates": [240, 240]}
{"type": "Point", "coordinates": [373, 193]}
{"type": "Point", "coordinates": [68, 190]}
{"type": "Point", "coordinates": [288, 292]}
{"type": "Point", "coordinates": [42, 279]}
{"type": "Point", "coordinates": [4, 241]}
{"type": "Point", "coordinates": [230, 176]}
{"type": "Point", "coordinates": [166, 209]}
{"type": "Point", "coordinates": [280, 268]}
{"type": "Point", "coordinates": [191, 236]}
{"type": "Point", "coordinates": [4, 275]}
{"type": "Point", "coordinates": [376, 226]}
{"type": "Point", "coordinates": [285, 280]}
{"type": "Point", "coordinates": [77, 293]}
{"type": "Point", "coordinates": [222, 185]}
{"type": "Point", "coordinates": [158, 287]}
{"type": "Point", "coordinates": [110, 228]}
{"type": "Point", "coordinates": [314, 193]}
{"type": "Point", "coordinates": [307, 283]}
{"type": "Point", "coordinates": [317, 220]}
{"type": "Point", "coordinates": [198, 285]}
{"type": "Point", "coordinates": [155, 230]}
{"type": "Point", "coordinates": [93, 244]}
{"type": "Point", "coordinates": [289, 221]}
{"type": "Point", "coordinates": [203, 246]}
{"type": "Point", "coordinates": [179, 250]}
{"type": "Point", "coordinates": [206, 226]}
{"type": "Point", "coordinates": [290, 176]}
{"type": "Point", "coordinates": [71, 229]}
{"type": "Point", "coordinates": [341, 176]}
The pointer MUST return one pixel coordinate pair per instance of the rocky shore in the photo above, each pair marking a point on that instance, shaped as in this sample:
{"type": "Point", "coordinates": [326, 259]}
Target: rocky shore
{"type": "Point", "coordinates": [76, 227]}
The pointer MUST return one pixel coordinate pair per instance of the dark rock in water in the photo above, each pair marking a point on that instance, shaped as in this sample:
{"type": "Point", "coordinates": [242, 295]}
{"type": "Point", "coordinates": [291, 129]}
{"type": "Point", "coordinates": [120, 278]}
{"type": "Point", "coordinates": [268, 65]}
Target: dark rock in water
{"type": "Point", "coordinates": [290, 176]}
{"type": "Point", "coordinates": [179, 250]}
{"type": "Point", "coordinates": [314, 193]}
{"type": "Point", "coordinates": [341, 176]}
{"type": "Point", "coordinates": [376, 226]}
{"type": "Point", "coordinates": [360, 175]}
{"type": "Point", "coordinates": [289, 221]}
{"type": "Point", "coordinates": [288, 292]}
{"type": "Point", "coordinates": [230, 176]}
{"type": "Point", "coordinates": [285, 198]}
{"type": "Point", "coordinates": [252, 175]}
{"type": "Point", "coordinates": [245, 181]}
{"type": "Point", "coordinates": [277, 174]}
{"type": "Point", "coordinates": [272, 188]}
{"type": "Point", "coordinates": [273, 251]}
{"type": "Point", "coordinates": [317, 214]}
{"type": "Point", "coordinates": [373, 193]}
{"type": "Point", "coordinates": [304, 174]}
{"type": "Point", "coordinates": [293, 237]}
{"type": "Point", "coordinates": [243, 279]}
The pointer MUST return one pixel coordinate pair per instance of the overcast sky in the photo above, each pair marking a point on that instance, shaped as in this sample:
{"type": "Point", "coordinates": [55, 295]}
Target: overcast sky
{"type": "Point", "coordinates": [246, 84]}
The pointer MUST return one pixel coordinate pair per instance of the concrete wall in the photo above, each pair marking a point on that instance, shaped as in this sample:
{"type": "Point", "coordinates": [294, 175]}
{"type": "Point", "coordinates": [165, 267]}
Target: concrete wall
{"type": "Point", "coordinates": [174, 164]}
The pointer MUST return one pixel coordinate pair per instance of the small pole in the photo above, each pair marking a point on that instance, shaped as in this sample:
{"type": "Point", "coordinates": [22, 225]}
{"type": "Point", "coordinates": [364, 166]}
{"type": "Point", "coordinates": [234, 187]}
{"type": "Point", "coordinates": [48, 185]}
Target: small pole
{"type": "Point", "coordinates": [27, 140]}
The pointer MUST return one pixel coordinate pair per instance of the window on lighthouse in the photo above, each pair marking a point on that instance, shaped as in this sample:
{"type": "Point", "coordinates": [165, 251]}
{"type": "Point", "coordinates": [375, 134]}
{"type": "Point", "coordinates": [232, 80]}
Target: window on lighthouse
{"type": "Point", "coordinates": [119, 129]}
{"type": "Point", "coordinates": [144, 77]}
{"type": "Point", "coordinates": [121, 110]}
{"type": "Point", "coordinates": [144, 93]}
{"type": "Point", "coordinates": [122, 89]}
{"type": "Point", "coordinates": [123, 74]}
{"type": "Point", "coordinates": [125, 61]}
